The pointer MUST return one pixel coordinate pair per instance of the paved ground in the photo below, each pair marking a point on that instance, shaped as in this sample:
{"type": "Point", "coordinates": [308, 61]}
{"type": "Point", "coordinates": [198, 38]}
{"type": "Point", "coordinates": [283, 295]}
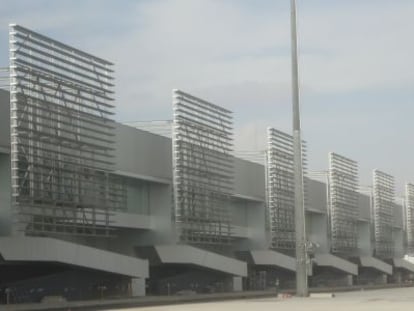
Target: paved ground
{"type": "Point", "coordinates": [398, 299]}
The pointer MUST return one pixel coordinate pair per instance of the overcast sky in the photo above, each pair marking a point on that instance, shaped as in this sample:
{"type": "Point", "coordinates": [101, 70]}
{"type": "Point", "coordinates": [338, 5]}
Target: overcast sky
{"type": "Point", "coordinates": [356, 66]}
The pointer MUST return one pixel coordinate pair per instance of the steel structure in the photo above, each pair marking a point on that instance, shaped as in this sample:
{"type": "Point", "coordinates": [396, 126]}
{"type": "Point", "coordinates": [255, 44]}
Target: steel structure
{"type": "Point", "coordinates": [409, 210]}
{"type": "Point", "coordinates": [4, 78]}
{"type": "Point", "coordinates": [62, 138]}
{"type": "Point", "coordinates": [343, 204]}
{"type": "Point", "coordinates": [280, 189]}
{"type": "Point", "coordinates": [203, 170]}
{"type": "Point", "coordinates": [383, 214]}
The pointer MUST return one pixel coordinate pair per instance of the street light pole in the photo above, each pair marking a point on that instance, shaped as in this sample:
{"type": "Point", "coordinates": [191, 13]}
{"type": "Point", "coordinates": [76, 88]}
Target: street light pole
{"type": "Point", "coordinates": [301, 258]}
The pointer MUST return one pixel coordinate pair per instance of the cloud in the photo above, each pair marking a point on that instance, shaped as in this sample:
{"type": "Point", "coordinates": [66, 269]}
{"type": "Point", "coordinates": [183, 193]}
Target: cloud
{"type": "Point", "coordinates": [355, 64]}
{"type": "Point", "coordinates": [356, 47]}
{"type": "Point", "coordinates": [198, 46]}
{"type": "Point", "coordinates": [212, 45]}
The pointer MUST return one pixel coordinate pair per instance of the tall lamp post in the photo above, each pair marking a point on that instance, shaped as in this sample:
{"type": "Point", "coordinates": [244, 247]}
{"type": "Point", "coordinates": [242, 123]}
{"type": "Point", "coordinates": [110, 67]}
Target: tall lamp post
{"type": "Point", "coordinates": [301, 256]}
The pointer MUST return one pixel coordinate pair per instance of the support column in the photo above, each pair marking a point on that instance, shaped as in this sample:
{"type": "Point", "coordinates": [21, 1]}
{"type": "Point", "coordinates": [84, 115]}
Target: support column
{"type": "Point", "coordinates": [349, 281]}
{"type": "Point", "coordinates": [382, 278]}
{"type": "Point", "coordinates": [397, 276]}
{"type": "Point", "coordinates": [138, 287]}
{"type": "Point", "coordinates": [237, 284]}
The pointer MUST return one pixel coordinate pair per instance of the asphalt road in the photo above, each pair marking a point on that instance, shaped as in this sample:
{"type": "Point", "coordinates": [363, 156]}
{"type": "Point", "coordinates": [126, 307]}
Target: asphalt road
{"type": "Point", "coordinates": [385, 299]}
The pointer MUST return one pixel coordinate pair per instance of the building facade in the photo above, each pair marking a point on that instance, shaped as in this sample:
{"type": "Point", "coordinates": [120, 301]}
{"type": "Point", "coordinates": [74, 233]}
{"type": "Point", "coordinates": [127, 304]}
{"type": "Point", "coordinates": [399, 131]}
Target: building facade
{"type": "Point", "coordinates": [90, 207]}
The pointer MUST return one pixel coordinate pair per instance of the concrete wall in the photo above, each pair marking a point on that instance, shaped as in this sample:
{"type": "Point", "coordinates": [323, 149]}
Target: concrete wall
{"type": "Point", "coordinates": [316, 195]}
{"type": "Point", "coordinates": [250, 215]}
{"type": "Point", "coordinates": [162, 226]}
{"type": "Point", "coordinates": [143, 153]}
{"type": "Point", "coordinates": [147, 154]}
{"type": "Point", "coordinates": [398, 237]}
{"type": "Point", "coordinates": [366, 242]}
{"type": "Point", "coordinates": [398, 233]}
{"type": "Point", "coordinates": [254, 186]}
{"type": "Point", "coordinates": [364, 204]}
{"type": "Point", "coordinates": [239, 212]}
{"type": "Point", "coordinates": [4, 120]}
{"type": "Point", "coordinates": [256, 216]}
{"type": "Point", "coordinates": [162, 208]}
{"type": "Point", "coordinates": [5, 195]}
{"type": "Point", "coordinates": [316, 215]}
{"type": "Point", "coordinates": [398, 216]}
{"type": "Point", "coordinates": [138, 196]}
{"type": "Point", "coordinates": [247, 213]}
{"type": "Point", "coordinates": [365, 245]}
{"type": "Point", "coordinates": [317, 231]}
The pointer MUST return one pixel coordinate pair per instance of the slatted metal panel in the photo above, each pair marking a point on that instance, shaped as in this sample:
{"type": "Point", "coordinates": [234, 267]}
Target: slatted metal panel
{"type": "Point", "coordinates": [62, 137]}
{"type": "Point", "coordinates": [4, 78]}
{"type": "Point", "coordinates": [343, 204]}
{"type": "Point", "coordinates": [384, 186]}
{"type": "Point", "coordinates": [280, 189]}
{"type": "Point", "coordinates": [203, 170]}
{"type": "Point", "coordinates": [409, 209]}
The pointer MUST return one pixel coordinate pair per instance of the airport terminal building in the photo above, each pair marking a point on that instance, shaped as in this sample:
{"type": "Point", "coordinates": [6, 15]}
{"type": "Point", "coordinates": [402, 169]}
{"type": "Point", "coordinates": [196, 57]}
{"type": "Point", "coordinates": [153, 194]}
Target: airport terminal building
{"type": "Point", "coordinates": [90, 207]}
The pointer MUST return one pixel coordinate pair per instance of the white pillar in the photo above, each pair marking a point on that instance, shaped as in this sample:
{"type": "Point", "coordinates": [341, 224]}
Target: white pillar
{"type": "Point", "coordinates": [382, 279]}
{"type": "Point", "coordinates": [397, 277]}
{"type": "Point", "coordinates": [237, 284]}
{"type": "Point", "coordinates": [137, 287]}
{"type": "Point", "coordinates": [349, 280]}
